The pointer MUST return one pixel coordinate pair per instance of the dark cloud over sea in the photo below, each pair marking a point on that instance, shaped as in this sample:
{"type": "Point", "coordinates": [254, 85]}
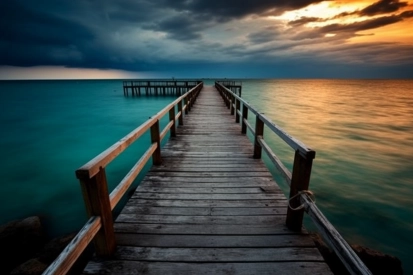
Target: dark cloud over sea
{"type": "Point", "coordinates": [187, 36]}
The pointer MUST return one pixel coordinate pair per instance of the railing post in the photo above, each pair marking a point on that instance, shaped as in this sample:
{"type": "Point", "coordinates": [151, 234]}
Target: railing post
{"type": "Point", "coordinates": [181, 117]}
{"type": "Point", "coordinates": [300, 180]}
{"type": "Point", "coordinates": [172, 118]}
{"type": "Point", "coordinates": [186, 104]}
{"type": "Point", "coordinates": [259, 132]}
{"type": "Point", "coordinates": [238, 107]}
{"type": "Point", "coordinates": [189, 101]}
{"type": "Point", "coordinates": [244, 116]}
{"type": "Point", "coordinates": [155, 137]}
{"type": "Point", "coordinates": [232, 109]}
{"type": "Point", "coordinates": [227, 99]}
{"type": "Point", "coordinates": [96, 197]}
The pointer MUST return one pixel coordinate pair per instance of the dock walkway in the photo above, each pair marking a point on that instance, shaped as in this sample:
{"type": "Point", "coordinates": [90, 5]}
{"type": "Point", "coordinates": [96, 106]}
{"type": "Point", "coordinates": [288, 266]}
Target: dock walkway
{"type": "Point", "coordinates": [210, 208]}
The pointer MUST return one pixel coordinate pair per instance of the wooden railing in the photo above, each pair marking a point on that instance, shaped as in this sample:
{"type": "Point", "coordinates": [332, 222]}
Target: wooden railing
{"type": "Point", "coordinates": [92, 177]}
{"type": "Point", "coordinates": [298, 179]}
{"type": "Point", "coordinates": [233, 85]}
{"type": "Point", "coordinates": [161, 83]}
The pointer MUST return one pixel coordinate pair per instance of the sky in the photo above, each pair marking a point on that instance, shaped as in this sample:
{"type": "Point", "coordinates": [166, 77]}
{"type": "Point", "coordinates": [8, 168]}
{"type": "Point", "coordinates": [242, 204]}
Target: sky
{"type": "Point", "coordinates": [49, 39]}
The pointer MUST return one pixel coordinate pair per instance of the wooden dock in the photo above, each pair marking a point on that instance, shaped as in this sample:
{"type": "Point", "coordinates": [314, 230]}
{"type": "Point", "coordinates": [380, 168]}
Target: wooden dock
{"type": "Point", "coordinates": [158, 87]}
{"type": "Point", "coordinates": [208, 205]}
{"type": "Point", "coordinates": [210, 208]}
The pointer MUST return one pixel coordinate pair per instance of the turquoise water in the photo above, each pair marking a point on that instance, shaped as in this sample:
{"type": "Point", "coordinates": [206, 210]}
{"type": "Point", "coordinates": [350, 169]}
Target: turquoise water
{"type": "Point", "coordinates": [362, 131]}
{"type": "Point", "coordinates": [51, 128]}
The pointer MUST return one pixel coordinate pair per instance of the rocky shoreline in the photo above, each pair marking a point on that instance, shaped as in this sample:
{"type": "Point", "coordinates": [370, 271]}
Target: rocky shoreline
{"type": "Point", "coordinates": [25, 249]}
{"type": "Point", "coordinates": [378, 262]}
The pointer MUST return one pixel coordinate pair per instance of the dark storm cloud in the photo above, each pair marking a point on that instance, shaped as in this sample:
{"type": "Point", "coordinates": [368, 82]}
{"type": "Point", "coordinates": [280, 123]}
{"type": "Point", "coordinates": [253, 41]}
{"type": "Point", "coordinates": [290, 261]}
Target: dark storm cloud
{"type": "Point", "coordinates": [265, 35]}
{"type": "Point", "coordinates": [20, 24]}
{"type": "Point", "coordinates": [380, 7]}
{"type": "Point", "coordinates": [229, 9]}
{"type": "Point", "coordinates": [40, 33]}
{"type": "Point", "coordinates": [181, 28]}
{"type": "Point", "coordinates": [305, 20]}
{"type": "Point", "coordinates": [350, 30]}
{"type": "Point", "coordinates": [383, 6]}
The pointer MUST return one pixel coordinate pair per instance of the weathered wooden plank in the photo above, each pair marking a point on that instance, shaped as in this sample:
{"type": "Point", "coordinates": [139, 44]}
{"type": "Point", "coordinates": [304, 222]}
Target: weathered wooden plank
{"type": "Point", "coordinates": [259, 180]}
{"type": "Point", "coordinates": [205, 190]}
{"type": "Point", "coordinates": [239, 175]}
{"type": "Point", "coordinates": [206, 154]}
{"type": "Point", "coordinates": [188, 184]}
{"type": "Point", "coordinates": [162, 268]}
{"type": "Point", "coordinates": [213, 240]}
{"type": "Point", "coordinates": [167, 196]}
{"type": "Point", "coordinates": [204, 211]}
{"type": "Point", "coordinates": [217, 254]}
{"type": "Point", "coordinates": [215, 147]}
{"type": "Point", "coordinates": [203, 229]}
{"type": "Point", "coordinates": [210, 169]}
{"type": "Point", "coordinates": [209, 220]}
{"type": "Point", "coordinates": [207, 161]}
{"type": "Point", "coordinates": [207, 165]}
{"type": "Point", "coordinates": [210, 203]}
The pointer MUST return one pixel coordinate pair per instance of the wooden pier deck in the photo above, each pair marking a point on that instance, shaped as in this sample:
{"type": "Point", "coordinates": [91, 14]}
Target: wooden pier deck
{"type": "Point", "coordinates": [210, 208]}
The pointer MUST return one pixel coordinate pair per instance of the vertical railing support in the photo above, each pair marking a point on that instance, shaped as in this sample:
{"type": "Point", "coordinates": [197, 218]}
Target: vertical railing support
{"type": "Point", "coordinates": [300, 180]}
{"type": "Point", "coordinates": [172, 118]}
{"type": "Point", "coordinates": [186, 104]}
{"type": "Point", "coordinates": [226, 98]}
{"type": "Point", "coordinates": [244, 116]}
{"type": "Point", "coordinates": [155, 137]}
{"type": "Point", "coordinates": [237, 109]}
{"type": "Point", "coordinates": [259, 133]}
{"type": "Point", "coordinates": [232, 104]}
{"type": "Point", "coordinates": [189, 101]}
{"type": "Point", "coordinates": [96, 197]}
{"type": "Point", "coordinates": [181, 117]}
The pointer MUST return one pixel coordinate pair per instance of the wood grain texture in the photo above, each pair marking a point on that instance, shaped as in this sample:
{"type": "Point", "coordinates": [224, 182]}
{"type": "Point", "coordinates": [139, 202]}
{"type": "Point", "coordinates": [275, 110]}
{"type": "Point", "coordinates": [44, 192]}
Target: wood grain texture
{"type": "Point", "coordinates": [209, 208]}
{"type": "Point", "coordinates": [162, 268]}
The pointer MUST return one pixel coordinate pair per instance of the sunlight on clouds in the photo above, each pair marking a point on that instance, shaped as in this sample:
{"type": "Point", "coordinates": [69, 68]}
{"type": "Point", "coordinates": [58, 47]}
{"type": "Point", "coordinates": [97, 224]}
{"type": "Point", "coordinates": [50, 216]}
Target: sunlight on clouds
{"type": "Point", "coordinates": [323, 10]}
{"type": "Point", "coordinates": [394, 33]}
{"type": "Point", "coordinates": [328, 13]}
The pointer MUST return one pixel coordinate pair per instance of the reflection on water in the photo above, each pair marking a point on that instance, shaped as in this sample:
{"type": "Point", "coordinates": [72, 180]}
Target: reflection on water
{"type": "Point", "coordinates": [362, 131]}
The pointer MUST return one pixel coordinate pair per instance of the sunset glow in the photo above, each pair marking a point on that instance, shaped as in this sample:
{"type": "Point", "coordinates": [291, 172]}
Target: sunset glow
{"type": "Point", "coordinates": [207, 38]}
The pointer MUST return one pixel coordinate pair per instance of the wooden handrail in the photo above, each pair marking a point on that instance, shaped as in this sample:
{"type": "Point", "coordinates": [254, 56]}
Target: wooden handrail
{"type": "Point", "coordinates": [91, 168]}
{"type": "Point", "coordinates": [92, 176]}
{"type": "Point", "coordinates": [291, 141]}
{"type": "Point", "coordinates": [74, 249]}
{"type": "Point", "coordinates": [117, 193]}
{"type": "Point", "coordinates": [343, 250]}
{"type": "Point", "coordinates": [298, 180]}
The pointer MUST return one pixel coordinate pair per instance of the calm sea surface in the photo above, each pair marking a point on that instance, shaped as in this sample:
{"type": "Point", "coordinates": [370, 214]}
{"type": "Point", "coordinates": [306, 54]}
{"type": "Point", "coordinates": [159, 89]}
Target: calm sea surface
{"type": "Point", "coordinates": [362, 131]}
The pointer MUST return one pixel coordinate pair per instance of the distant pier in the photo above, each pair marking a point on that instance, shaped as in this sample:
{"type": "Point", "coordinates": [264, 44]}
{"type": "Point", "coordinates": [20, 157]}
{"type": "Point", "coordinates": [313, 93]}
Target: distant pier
{"type": "Point", "coordinates": [158, 87]}
{"type": "Point", "coordinates": [171, 87]}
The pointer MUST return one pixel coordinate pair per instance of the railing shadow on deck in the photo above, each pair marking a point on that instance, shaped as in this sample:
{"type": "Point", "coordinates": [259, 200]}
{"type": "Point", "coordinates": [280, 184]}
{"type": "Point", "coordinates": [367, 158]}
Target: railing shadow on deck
{"type": "Point", "coordinates": [300, 199]}
{"type": "Point", "coordinates": [92, 177]}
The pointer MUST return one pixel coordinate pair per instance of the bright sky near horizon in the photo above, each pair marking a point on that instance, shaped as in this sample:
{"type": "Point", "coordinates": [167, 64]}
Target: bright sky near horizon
{"type": "Point", "coordinates": [206, 38]}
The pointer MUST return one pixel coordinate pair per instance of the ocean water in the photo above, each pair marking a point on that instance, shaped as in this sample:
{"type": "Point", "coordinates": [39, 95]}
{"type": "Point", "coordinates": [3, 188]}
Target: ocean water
{"type": "Point", "coordinates": [51, 128]}
{"type": "Point", "coordinates": [362, 131]}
